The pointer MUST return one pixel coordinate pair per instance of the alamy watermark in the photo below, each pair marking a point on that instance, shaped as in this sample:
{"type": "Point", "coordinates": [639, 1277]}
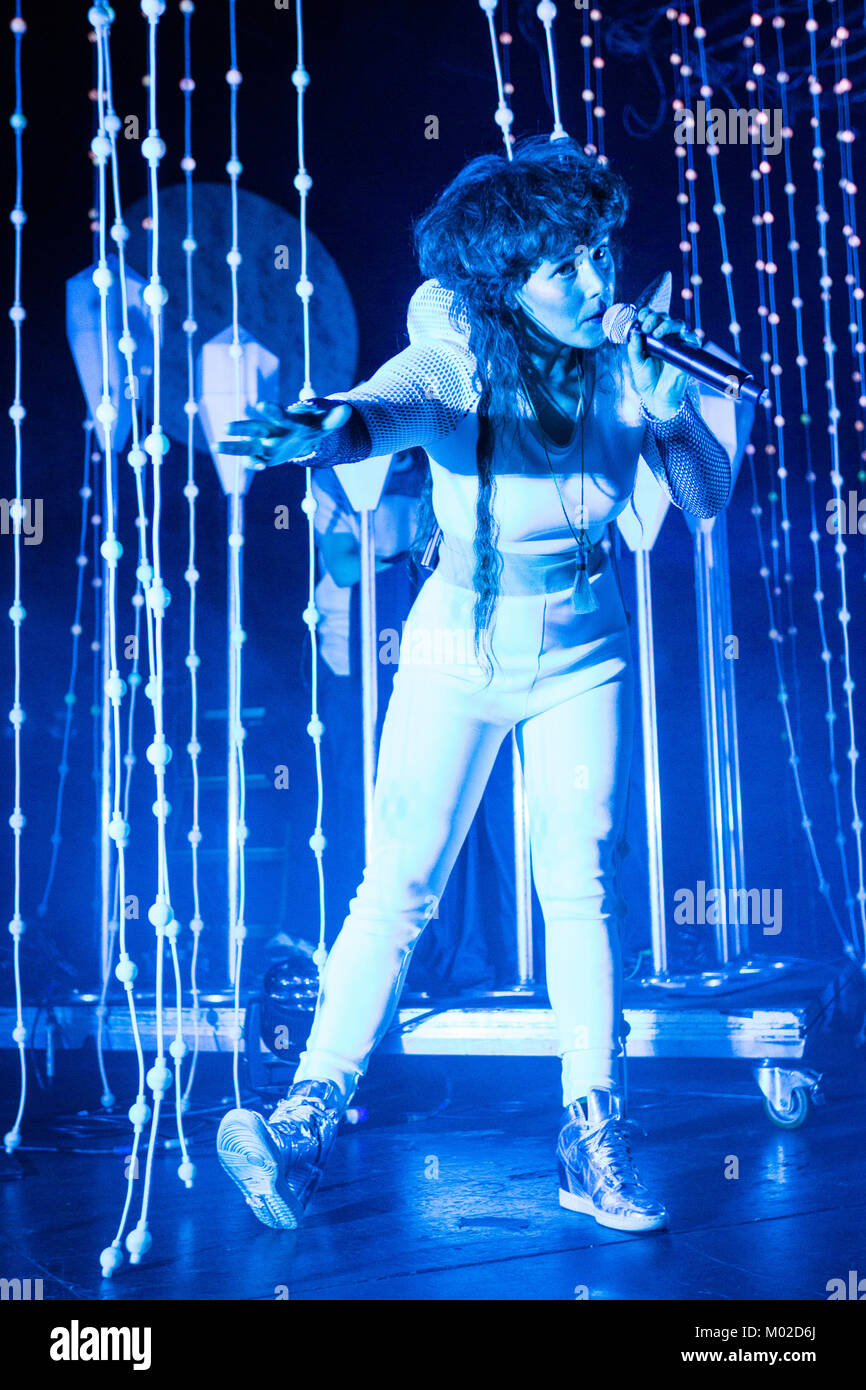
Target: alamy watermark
{"type": "Point", "coordinates": [734, 125]}
{"type": "Point", "coordinates": [20, 1290]}
{"type": "Point", "coordinates": [77, 1343]}
{"type": "Point", "coordinates": [427, 646]}
{"type": "Point", "coordinates": [22, 518]}
{"type": "Point", "coordinates": [847, 519]}
{"type": "Point", "coordinates": [741, 906]}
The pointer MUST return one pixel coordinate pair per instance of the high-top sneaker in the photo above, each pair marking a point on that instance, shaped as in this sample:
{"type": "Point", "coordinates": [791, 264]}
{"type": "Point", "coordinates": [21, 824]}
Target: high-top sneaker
{"type": "Point", "coordinates": [277, 1163]}
{"type": "Point", "coordinates": [596, 1170]}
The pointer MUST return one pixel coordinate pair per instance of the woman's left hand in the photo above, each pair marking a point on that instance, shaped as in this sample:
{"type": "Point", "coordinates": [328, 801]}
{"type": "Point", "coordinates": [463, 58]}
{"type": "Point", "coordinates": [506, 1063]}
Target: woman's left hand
{"type": "Point", "coordinates": [661, 386]}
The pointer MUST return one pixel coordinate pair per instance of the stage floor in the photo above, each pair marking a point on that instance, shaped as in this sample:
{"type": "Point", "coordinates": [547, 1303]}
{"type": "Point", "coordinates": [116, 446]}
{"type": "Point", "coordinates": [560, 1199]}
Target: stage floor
{"type": "Point", "coordinates": [459, 1204]}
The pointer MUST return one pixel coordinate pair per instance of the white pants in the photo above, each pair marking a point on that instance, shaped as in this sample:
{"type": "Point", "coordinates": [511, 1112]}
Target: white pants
{"type": "Point", "coordinates": [565, 681]}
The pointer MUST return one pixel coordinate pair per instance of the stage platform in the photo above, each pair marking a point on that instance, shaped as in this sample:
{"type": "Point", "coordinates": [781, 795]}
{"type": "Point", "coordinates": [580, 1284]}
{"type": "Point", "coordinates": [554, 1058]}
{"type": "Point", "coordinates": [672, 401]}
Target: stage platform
{"type": "Point", "coordinates": [768, 1012]}
{"type": "Point", "coordinates": [706, 1015]}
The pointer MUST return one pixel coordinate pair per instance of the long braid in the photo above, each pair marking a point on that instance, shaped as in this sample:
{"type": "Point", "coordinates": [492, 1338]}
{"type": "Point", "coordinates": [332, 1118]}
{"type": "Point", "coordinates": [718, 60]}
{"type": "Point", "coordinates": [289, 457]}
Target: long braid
{"type": "Point", "coordinates": [488, 560]}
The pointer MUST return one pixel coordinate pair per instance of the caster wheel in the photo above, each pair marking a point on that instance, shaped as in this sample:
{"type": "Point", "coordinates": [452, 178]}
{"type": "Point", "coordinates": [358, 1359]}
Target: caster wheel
{"type": "Point", "coordinates": [792, 1115]}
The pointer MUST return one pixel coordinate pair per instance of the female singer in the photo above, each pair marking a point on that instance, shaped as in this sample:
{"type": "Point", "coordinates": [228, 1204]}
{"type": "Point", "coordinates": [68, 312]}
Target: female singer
{"type": "Point", "coordinates": [533, 425]}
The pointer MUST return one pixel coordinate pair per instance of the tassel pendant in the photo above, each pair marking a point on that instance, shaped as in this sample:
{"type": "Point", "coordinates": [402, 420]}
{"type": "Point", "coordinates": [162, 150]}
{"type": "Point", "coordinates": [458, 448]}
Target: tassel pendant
{"type": "Point", "coordinates": [582, 597]}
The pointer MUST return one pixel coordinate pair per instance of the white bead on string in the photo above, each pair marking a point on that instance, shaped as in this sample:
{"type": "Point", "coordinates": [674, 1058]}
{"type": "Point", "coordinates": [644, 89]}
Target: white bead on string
{"type": "Point", "coordinates": [546, 12]}
{"type": "Point", "coordinates": [191, 574]}
{"type": "Point", "coordinates": [118, 825]}
{"type": "Point", "coordinates": [17, 612]}
{"type": "Point", "coordinates": [304, 288]}
{"type": "Point", "coordinates": [503, 116]}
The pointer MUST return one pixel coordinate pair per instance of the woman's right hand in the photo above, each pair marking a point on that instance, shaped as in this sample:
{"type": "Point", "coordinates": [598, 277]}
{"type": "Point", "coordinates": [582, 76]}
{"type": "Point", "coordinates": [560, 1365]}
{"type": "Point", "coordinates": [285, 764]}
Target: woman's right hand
{"type": "Point", "coordinates": [280, 433]}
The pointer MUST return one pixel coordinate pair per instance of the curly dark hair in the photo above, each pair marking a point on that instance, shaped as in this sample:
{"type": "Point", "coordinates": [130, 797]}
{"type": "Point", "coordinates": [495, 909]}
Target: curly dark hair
{"type": "Point", "coordinates": [482, 238]}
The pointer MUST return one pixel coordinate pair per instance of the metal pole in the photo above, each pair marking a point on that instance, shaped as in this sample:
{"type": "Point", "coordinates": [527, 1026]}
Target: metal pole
{"type": "Point", "coordinates": [652, 786]}
{"type": "Point", "coordinates": [369, 679]}
{"type": "Point", "coordinates": [522, 872]}
{"type": "Point", "coordinates": [105, 779]}
{"type": "Point", "coordinates": [713, 727]}
{"type": "Point", "coordinates": [233, 719]}
{"type": "Point", "coordinates": [736, 854]}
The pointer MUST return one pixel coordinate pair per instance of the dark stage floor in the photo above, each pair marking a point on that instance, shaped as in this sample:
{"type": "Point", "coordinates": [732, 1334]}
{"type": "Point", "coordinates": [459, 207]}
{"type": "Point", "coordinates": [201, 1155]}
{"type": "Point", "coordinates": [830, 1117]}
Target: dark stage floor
{"type": "Point", "coordinates": [461, 1204]}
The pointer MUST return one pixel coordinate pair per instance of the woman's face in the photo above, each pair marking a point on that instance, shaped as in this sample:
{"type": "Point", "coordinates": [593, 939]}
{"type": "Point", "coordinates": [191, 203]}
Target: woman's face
{"type": "Point", "coordinates": [568, 297]}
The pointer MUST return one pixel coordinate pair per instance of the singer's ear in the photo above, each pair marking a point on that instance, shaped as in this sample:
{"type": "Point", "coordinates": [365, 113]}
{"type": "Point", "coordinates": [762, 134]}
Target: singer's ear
{"type": "Point", "coordinates": [658, 294]}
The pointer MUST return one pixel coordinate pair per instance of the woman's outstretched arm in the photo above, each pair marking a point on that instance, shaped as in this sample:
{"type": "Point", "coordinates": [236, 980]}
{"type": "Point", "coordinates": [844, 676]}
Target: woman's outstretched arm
{"type": "Point", "coordinates": [414, 399]}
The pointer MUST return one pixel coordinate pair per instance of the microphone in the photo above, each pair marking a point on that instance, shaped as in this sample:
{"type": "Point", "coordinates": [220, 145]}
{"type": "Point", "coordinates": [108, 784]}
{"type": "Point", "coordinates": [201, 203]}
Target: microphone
{"type": "Point", "coordinates": [734, 382]}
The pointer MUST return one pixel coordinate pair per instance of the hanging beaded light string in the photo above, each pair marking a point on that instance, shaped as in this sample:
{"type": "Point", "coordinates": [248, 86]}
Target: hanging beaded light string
{"type": "Point", "coordinates": [157, 596]}
{"type": "Point", "coordinates": [830, 717]}
{"type": "Point", "coordinates": [592, 98]}
{"type": "Point", "coordinates": [110, 549]}
{"type": "Point", "coordinates": [765, 264]}
{"type": "Point", "coordinates": [103, 148]}
{"type": "Point", "coordinates": [712, 153]}
{"type": "Point", "coordinates": [126, 970]}
{"type": "Point", "coordinates": [503, 116]}
{"type": "Point", "coordinates": [237, 733]}
{"type": "Point", "coordinates": [160, 913]}
{"type": "Point", "coordinates": [598, 66]}
{"type": "Point", "coordinates": [588, 95]}
{"type": "Point", "coordinates": [85, 492]}
{"type": "Point", "coordinates": [846, 136]}
{"type": "Point", "coordinates": [159, 752]}
{"type": "Point", "coordinates": [103, 151]}
{"type": "Point", "coordinates": [546, 12]}
{"type": "Point", "coordinates": [155, 296]}
{"type": "Point", "coordinates": [100, 17]}
{"type": "Point", "coordinates": [735, 330]}
{"type": "Point", "coordinates": [17, 412]}
{"type": "Point", "coordinates": [304, 289]}
{"type": "Point", "coordinates": [836, 478]}
{"type": "Point", "coordinates": [506, 40]}
{"type": "Point", "coordinates": [687, 177]}
{"type": "Point", "coordinates": [191, 575]}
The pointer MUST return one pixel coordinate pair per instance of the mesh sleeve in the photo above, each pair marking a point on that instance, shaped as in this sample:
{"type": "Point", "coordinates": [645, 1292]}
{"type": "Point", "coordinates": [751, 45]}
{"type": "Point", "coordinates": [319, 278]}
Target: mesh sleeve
{"type": "Point", "coordinates": [416, 397]}
{"type": "Point", "coordinates": [687, 459]}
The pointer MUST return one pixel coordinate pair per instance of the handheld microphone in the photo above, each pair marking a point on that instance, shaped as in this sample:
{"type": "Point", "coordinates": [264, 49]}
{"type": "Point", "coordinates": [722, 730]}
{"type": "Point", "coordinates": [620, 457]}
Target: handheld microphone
{"type": "Point", "coordinates": [733, 381]}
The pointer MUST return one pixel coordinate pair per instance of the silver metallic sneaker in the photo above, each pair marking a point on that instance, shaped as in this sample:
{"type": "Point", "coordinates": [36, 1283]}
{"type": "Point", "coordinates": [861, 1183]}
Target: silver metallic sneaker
{"type": "Point", "coordinates": [596, 1170]}
{"type": "Point", "coordinates": [278, 1163]}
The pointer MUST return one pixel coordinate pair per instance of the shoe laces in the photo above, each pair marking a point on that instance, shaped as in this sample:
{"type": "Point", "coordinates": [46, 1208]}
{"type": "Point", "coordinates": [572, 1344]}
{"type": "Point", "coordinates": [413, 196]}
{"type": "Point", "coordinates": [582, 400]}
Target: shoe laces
{"type": "Point", "coordinates": [612, 1146]}
{"type": "Point", "coordinates": [301, 1109]}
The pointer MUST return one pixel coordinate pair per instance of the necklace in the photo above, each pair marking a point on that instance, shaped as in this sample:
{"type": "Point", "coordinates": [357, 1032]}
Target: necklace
{"type": "Point", "coordinates": [582, 596]}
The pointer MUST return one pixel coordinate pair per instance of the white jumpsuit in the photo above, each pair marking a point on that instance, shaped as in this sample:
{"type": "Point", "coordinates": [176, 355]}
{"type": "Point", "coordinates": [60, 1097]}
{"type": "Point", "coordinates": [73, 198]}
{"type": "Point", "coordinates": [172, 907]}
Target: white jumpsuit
{"type": "Point", "coordinates": [563, 679]}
